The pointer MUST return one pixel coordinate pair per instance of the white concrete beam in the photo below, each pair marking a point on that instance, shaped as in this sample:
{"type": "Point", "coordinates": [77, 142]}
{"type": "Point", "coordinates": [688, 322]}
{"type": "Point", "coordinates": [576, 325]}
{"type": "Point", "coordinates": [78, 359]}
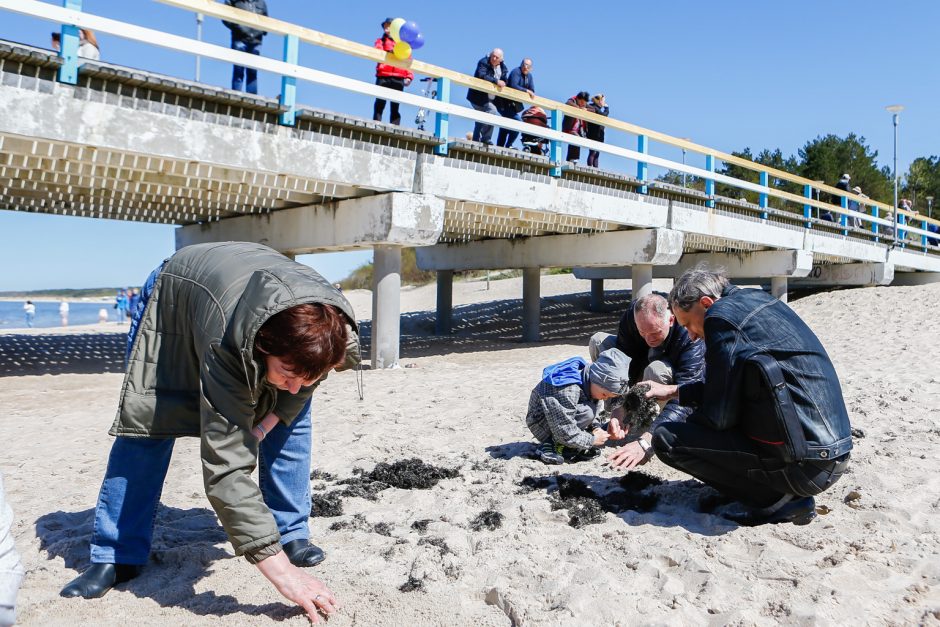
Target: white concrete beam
{"type": "Point", "coordinates": [829, 244]}
{"type": "Point", "coordinates": [397, 218]}
{"type": "Point", "coordinates": [835, 275]}
{"type": "Point", "coordinates": [437, 176]}
{"type": "Point", "coordinates": [914, 259]}
{"type": "Point", "coordinates": [762, 263]}
{"type": "Point", "coordinates": [694, 219]}
{"type": "Point", "coordinates": [655, 246]}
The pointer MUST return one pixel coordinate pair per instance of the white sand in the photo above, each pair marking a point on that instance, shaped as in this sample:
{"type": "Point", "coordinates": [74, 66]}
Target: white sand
{"type": "Point", "coordinates": [874, 564]}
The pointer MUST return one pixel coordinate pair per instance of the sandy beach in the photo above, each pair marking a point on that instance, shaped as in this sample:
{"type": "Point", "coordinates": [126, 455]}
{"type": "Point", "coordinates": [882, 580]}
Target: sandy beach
{"type": "Point", "coordinates": [459, 402]}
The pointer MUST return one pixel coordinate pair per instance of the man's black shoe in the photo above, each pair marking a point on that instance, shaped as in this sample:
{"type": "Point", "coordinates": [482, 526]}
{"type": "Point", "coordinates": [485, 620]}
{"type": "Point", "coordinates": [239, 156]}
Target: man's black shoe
{"type": "Point", "coordinates": [303, 554]}
{"type": "Point", "coordinates": [575, 455]}
{"type": "Point", "coordinates": [798, 511]}
{"type": "Point", "coordinates": [98, 579]}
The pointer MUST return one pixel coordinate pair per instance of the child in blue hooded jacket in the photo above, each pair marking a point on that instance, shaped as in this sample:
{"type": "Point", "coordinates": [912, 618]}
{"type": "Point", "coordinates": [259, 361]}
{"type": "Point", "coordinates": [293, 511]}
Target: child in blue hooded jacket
{"type": "Point", "coordinates": [563, 407]}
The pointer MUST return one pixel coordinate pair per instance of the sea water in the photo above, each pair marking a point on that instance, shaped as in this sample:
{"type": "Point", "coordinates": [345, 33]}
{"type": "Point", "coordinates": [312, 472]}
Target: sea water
{"type": "Point", "coordinates": [12, 315]}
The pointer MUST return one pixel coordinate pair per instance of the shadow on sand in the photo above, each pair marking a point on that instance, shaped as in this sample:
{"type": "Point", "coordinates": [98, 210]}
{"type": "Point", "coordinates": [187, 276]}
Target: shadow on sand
{"type": "Point", "coordinates": [185, 545]}
{"type": "Point", "coordinates": [491, 326]}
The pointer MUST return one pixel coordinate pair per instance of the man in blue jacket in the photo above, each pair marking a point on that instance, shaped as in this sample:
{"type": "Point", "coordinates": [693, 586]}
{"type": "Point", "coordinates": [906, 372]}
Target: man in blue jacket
{"type": "Point", "coordinates": [520, 78]}
{"type": "Point", "coordinates": [491, 69]}
{"type": "Point", "coordinates": [660, 350]}
{"type": "Point", "coordinates": [769, 425]}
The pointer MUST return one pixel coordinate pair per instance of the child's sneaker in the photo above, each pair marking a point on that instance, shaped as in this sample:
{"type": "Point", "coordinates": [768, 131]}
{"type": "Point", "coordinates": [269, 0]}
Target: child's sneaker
{"type": "Point", "coordinates": [550, 453]}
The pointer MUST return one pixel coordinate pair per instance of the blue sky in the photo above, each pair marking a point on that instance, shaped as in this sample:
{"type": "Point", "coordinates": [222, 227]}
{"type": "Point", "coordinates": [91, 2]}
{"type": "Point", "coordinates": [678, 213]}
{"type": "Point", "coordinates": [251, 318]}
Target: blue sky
{"type": "Point", "coordinates": [726, 74]}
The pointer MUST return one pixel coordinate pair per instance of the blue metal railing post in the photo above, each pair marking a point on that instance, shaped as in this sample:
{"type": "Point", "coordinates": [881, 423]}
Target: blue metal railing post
{"type": "Point", "coordinates": [289, 83]}
{"type": "Point", "coordinates": [554, 149]}
{"type": "Point", "coordinates": [68, 47]}
{"type": "Point", "coordinates": [923, 227]}
{"type": "Point", "coordinates": [900, 234]}
{"type": "Point", "coordinates": [642, 167]}
{"type": "Point", "coordinates": [710, 183]}
{"type": "Point", "coordinates": [762, 200]}
{"type": "Point", "coordinates": [874, 227]}
{"type": "Point", "coordinates": [808, 209]}
{"type": "Point", "coordinates": [442, 120]}
{"type": "Point", "coordinates": [844, 219]}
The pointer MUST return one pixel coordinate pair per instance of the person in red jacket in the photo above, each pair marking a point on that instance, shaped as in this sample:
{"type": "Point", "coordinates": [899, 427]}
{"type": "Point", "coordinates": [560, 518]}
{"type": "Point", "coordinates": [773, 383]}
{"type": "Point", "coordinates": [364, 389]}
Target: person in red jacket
{"type": "Point", "coordinates": [389, 76]}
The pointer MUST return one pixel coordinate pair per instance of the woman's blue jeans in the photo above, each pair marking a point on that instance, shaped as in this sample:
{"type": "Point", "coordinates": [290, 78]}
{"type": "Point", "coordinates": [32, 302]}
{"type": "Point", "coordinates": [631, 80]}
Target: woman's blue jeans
{"type": "Point", "coordinates": [137, 467]}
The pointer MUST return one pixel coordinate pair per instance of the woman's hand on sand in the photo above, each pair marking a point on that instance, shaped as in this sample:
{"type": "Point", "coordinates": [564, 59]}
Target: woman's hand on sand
{"type": "Point", "coordinates": [661, 391]}
{"type": "Point", "coordinates": [600, 437]}
{"type": "Point", "coordinates": [296, 585]}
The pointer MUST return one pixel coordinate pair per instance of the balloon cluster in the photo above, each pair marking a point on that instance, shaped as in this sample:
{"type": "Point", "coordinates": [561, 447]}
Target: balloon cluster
{"type": "Point", "coordinates": [407, 37]}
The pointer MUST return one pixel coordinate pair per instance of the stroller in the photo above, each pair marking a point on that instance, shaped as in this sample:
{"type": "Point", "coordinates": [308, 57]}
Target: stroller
{"type": "Point", "coordinates": [429, 90]}
{"type": "Point", "coordinates": [532, 143]}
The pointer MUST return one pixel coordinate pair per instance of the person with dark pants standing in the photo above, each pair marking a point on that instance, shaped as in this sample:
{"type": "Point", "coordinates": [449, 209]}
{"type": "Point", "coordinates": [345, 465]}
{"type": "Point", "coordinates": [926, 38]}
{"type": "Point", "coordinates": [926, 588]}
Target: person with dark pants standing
{"type": "Point", "coordinates": [246, 39]}
{"type": "Point", "coordinates": [596, 132]}
{"type": "Point", "coordinates": [520, 78]}
{"type": "Point", "coordinates": [769, 426]}
{"type": "Point", "coordinates": [390, 76]}
{"type": "Point", "coordinates": [575, 126]}
{"type": "Point", "coordinates": [491, 69]}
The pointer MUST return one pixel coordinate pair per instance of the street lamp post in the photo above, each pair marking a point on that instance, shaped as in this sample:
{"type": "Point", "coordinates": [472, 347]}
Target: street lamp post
{"type": "Point", "coordinates": [930, 206]}
{"type": "Point", "coordinates": [895, 111]}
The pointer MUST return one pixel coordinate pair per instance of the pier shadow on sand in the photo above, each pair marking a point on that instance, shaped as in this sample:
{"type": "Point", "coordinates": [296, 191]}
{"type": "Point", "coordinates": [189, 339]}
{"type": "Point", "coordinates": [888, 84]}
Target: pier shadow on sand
{"type": "Point", "coordinates": [72, 353]}
{"type": "Point", "coordinates": [492, 326]}
{"type": "Point", "coordinates": [186, 544]}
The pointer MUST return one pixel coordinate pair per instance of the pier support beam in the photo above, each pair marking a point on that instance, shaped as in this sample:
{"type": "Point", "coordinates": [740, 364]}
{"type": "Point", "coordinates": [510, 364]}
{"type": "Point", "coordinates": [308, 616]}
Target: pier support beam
{"type": "Point", "coordinates": [531, 295]}
{"type": "Point", "coordinates": [386, 306]}
{"type": "Point", "coordinates": [642, 277]}
{"type": "Point", "coordinates": [597, 294]}
{"type": "Point", "coordinates": [778, 287]}
{"type": "Point", "coordinates": [443, 322]}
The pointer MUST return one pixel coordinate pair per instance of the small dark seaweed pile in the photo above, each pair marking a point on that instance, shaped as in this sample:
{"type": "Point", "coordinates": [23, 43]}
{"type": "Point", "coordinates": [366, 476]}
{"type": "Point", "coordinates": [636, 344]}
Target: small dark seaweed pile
{"type": "Point", "coordinates": [412, 584]}
{"type": "Point", "coordinates": [640, 412]}
{"type": "Point", "coordinates": [421, 526]}
{"type": "Point", "coordinates": [587, 507]}
{"type": "Point", "coordinates": [488, 519]}
{"type": "Point", "coordinates": [326, 505]}
{"type": "Point", "coordinates": [436, 542]}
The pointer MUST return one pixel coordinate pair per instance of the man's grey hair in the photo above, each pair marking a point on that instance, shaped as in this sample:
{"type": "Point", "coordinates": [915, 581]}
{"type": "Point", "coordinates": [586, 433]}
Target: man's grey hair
{"type": "Point", "coordinates": [695, 283]}
{"type": "Point", "coordinates": [652, 305]}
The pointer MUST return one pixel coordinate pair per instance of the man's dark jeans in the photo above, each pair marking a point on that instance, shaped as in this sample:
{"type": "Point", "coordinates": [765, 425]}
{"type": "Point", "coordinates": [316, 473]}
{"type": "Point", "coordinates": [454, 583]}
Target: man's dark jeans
{"type": "Point", "coordinates": [240, 73]}
{"type": "Point", "coordinates": [392, 82]}
{"type": "Point", "coordinates": [507, 137]}
{"type": "Point", "coordinates": [737, 466]}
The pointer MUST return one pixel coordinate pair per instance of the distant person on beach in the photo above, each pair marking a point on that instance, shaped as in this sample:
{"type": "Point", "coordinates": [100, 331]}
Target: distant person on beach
{"type": "Point", "coordinates": [64, 312]}
{"type": "Point", "coordinates": [11, 570]}
{"type": "Point", "coordinates": [563, 407]}
{"type": "Point", "coordinates": [87, 44]}
{"type": "Point", "coordinates": [236, 340]}
{"type": "Point", "coordinates": [102, 315]}
{"type": "Point", "coordinates": [29, 309]}
{"type": "Point", "coordinates": [769, 425]}
{"type": "Point", "coordinates": [120, 304]}
{"type": "Point", "coordinates": [246, 39]}
{"type": "Point", "coordinates": [133, 300]}
{"type": "Point", "coordinates": [519, 78]}
{"type": "Point", "coordinates": [660, 350]}
{"type": "Point", "coordinates": [594, 131]}
{"type": "Point", "coordinates": [492, 70]}
{"type": "Point", "coordinates": [390, 76]}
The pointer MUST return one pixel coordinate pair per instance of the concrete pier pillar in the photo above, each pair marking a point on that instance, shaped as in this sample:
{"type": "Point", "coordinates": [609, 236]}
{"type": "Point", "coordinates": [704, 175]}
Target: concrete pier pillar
{"type": "Point", "coordinates": [386, 306]}
{"type": "Point", "coordinates": [597, 294]}
{"type": "Point", "coordinates": [778, 287]}
{"type": "Point", "coordinates": [531, 287]}
{"type": "Point", "coordinates": [642, 279]}
{"type": "Point", "coordinates": [443, 322]}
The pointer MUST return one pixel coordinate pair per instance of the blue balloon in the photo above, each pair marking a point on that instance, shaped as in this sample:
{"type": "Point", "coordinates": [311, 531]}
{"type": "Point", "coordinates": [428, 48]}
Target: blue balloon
{"type": "Point", "coordinates": [417, 42]}
{"type": "Point", "coordinates": [408, 31]}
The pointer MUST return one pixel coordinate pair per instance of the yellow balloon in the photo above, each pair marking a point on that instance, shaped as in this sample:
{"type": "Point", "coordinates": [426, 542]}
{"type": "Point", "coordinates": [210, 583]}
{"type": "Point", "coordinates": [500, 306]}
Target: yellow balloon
{"type": "Point", "coordinates": [395, 27]}
{"type": "Point", "coordinates": [402, 50]}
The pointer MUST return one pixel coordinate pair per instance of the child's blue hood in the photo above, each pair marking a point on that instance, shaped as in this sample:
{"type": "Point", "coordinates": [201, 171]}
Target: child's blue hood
{"type": "Point", "coordinates": [567, 372]}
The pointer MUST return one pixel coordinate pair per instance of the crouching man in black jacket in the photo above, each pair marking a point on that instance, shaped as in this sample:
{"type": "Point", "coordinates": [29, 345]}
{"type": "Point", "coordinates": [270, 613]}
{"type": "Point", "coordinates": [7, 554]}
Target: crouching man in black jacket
{"type": "Point", "coordinates": [769, 426]}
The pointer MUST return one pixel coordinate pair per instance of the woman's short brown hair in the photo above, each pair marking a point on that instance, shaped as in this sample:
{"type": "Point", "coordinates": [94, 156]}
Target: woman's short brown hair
{"type": "Point", "coordinates": [310, 339]}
